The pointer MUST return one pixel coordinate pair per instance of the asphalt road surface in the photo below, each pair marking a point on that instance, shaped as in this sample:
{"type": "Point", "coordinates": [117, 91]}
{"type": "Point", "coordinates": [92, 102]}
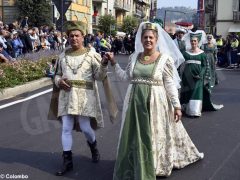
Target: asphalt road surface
{"type": "Point", "coordinates": [30, 145]}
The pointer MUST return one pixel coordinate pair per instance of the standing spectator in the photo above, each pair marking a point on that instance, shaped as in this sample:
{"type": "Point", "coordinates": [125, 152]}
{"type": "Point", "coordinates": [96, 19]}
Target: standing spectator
{"type": "Point", "coordinates": [17, 45]}
{"type": "Point", "coordinates": [26, 40]}
{"type": "Point", "coordinates": [24, 22]}
{"type": "Point", "coordinates": [234, 51]}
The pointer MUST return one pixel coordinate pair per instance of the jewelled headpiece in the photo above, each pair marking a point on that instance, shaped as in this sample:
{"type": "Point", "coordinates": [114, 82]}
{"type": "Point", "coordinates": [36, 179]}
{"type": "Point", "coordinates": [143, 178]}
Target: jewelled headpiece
{"type": "Point", "coordinates": [149, 26]}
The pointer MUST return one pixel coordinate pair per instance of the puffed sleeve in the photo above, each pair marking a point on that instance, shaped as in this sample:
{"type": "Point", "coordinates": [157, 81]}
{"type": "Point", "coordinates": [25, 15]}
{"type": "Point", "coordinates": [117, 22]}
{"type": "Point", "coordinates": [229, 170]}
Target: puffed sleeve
{"type": "Point", "coordinates": [99, 71]}
{"type": "Point", "coordinates": [123, 75]}
{"type": "Point", "coordinates": [169, 84]}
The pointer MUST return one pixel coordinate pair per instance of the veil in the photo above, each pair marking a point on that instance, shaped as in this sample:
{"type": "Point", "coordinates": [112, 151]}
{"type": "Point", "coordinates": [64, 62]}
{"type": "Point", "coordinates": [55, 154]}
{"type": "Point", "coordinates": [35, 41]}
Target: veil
{"type": "Point", "coordinates": [165, 45]}
{"type": "Point", "coordinates": [186, 38]}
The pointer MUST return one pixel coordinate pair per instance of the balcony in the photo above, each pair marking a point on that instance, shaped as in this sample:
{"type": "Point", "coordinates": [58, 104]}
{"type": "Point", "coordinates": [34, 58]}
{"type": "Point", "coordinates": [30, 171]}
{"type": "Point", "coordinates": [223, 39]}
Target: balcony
{"type": "Point", "coordinates": [99, 1]}
{"type": "Point", "coordinates": [126, 7]}
{"type": "Point", "coordinates": [118, 5]}
{"type": "Point", "coordinates": [236, 16]}
{"type": "Point", "coordinates": [138, 13]}
{"type": "Point", "coordinates": [147, 2]}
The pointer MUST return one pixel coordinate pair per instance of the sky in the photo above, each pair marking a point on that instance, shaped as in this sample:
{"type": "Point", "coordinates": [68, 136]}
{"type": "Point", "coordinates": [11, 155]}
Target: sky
{"type": "Point", "coordinates": [172, 3]}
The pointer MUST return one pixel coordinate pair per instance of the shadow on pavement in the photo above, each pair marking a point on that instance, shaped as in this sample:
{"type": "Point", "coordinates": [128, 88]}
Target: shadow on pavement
{"type": "Point", "coordinates": [50, 162]}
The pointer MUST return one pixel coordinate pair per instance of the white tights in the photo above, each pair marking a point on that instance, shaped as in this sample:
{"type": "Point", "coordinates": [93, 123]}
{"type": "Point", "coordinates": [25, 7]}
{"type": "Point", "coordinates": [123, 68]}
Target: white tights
{"type": "Point", "coordinates": [67, 126]}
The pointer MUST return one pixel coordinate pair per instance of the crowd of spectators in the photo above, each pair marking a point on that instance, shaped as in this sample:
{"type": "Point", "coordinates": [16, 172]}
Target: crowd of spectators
{"type": "Point", "coordinates": [17, 39]}
{"type": "Point", "coordinates": [228, 51]}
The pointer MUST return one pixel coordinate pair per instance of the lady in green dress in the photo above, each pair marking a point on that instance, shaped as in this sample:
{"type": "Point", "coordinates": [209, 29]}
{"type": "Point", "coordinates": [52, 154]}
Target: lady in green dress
{"type": "Point", "coordinates": [210, 50]}
{"type": "Point", "coordinates": [152, 138]}
{"type": "Point", "coordinates": [195, 94]}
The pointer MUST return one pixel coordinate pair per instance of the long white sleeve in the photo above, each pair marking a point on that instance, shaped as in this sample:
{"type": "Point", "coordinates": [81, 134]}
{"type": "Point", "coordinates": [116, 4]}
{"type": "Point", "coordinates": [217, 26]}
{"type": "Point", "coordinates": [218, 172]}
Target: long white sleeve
{"type": "Point", "coordinates": [123, 75]}
{"type": "Point", "coordinates": [169, 84]}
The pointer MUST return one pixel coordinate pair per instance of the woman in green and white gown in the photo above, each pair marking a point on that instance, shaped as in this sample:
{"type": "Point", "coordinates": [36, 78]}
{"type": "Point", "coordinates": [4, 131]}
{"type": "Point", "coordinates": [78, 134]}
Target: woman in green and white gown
{"type": "Point", "coordinates": [152, 139]}
{"type": "Point", "coordinates": [195, 94]}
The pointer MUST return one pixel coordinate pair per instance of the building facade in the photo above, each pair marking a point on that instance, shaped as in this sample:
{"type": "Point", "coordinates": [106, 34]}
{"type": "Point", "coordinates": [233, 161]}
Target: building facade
{"type": "Point", "coordinates": [89, 11]}
{"type": "Point", "coordinates": [8, 11]}
{"type": "Point", "coordinates": [228, 17]}
{"type": "Point", "coordinates": [222, 17]}
{"type": "Point", "coordinates": [153, 10]}
{"type": "Point", "coordinates": [141, 9]}
{"type": "Point", "coordinates": [210, 13]}
{"type": "Point", "coordinates": [122, 7]}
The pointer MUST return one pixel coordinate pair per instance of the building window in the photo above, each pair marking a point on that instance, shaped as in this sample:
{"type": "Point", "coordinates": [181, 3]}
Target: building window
{"type": "Point", "coordinates": [8, 11]}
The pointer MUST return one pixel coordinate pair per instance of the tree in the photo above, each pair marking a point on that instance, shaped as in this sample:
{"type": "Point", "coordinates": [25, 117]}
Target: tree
{"type": "Point", "coordinates": [107, 24]}
{"type": "Point", "coordinates": [129, 24]}
{"type": "Point", "coordinates": [38, 11]}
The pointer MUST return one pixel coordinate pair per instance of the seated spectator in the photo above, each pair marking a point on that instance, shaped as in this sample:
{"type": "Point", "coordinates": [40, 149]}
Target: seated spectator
{"type": "Point", "coordinates": [4, 56]}
{"type": "Point", "coordinates": [50, 71]}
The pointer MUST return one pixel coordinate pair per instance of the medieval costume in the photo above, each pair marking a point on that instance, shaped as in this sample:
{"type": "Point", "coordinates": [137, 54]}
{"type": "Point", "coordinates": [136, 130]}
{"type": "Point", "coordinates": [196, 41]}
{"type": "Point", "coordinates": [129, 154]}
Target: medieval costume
{"type": "Point", "coordinates": [151, 143]}
{"type": "Point", "coordinates": [211, 52]}
{"type": "Point", "coordinates": [179, 40]}
{"type": "Point", "coordinates": [79, 105]}
{"type": "Point", "coordinates": [195, 94]}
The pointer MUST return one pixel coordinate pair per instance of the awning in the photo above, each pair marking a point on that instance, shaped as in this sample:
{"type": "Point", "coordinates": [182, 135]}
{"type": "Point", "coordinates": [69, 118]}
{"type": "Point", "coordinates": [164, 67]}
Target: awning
{"type": "Point", "coordinates": [184, 24]}
{"type": "Point", "coordinates": [234, 28]}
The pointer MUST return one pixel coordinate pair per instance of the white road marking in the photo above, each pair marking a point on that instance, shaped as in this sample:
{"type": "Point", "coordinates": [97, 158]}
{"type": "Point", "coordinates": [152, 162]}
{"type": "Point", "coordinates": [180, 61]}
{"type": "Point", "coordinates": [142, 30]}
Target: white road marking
{"type": "Point", "coordinates": [30, 97]}
{"type": "Point", "coordinates": [26, 99]}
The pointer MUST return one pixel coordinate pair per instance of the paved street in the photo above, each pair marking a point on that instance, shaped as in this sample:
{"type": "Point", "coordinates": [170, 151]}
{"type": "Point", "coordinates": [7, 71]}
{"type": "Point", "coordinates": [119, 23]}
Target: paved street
{"type": "Point", "coordinates": [30, 144]}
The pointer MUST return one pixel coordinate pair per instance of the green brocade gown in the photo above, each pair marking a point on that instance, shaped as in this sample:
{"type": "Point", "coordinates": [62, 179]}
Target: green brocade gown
{"type": "Point", "coordinates": [135, 160]}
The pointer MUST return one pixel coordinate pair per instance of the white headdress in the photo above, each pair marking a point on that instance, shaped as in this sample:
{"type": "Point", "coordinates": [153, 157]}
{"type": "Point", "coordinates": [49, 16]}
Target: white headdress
{"type": "Point", "coordinates": [165, 45]}
{"type": "Point", "coordinates": [200, 33]}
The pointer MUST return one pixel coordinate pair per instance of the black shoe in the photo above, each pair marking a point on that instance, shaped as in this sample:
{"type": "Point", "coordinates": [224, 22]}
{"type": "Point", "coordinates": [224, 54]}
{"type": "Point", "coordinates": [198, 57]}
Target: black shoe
{"type": "Point", "coordinates": [67, 163]}
{"type": "Point", "coordinates": [94, 151]}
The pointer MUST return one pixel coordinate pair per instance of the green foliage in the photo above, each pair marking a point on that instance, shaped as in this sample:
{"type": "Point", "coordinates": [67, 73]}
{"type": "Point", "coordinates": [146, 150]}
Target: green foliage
{"type": "Point", "coordinates": [129, 24]}
{"type": "Point", "coordinates": [38, 11]}
{"type": "Point", "coordinates": [105, 22]}
{"type": "Point", "coordinates": [22, 71]}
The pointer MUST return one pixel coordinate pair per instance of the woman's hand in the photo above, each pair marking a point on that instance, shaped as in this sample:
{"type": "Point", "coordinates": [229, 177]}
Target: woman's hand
{"type": "Point", "coordinates": [177, 115]}
{"type": "Point", "coordinates": [110, 57]}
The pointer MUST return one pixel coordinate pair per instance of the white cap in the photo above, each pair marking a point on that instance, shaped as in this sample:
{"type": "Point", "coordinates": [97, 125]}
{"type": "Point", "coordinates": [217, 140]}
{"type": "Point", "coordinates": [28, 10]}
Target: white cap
{"type": "Point", "coordinates": [14, 32]}
{"type": "Point", "coordinates": [179, 29]}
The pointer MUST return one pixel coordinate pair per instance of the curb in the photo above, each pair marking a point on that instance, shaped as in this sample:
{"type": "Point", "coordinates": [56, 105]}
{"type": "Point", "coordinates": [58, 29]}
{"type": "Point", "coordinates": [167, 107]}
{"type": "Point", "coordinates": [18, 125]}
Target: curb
{"type": "Point", "coordinates": [29, 86]}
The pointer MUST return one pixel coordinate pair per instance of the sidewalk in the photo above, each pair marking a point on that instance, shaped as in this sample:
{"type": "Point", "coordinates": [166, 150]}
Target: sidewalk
{"type": "Point", "coordinates": [30, 86]}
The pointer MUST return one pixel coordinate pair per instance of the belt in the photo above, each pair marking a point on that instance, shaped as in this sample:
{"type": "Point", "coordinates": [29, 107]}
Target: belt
{"type": "Point", "coordinates": [80, 84]}
{"type": "Point", "coordinates": [193, 62]}
{"type": "Point", "coordinates": [148, 81]}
